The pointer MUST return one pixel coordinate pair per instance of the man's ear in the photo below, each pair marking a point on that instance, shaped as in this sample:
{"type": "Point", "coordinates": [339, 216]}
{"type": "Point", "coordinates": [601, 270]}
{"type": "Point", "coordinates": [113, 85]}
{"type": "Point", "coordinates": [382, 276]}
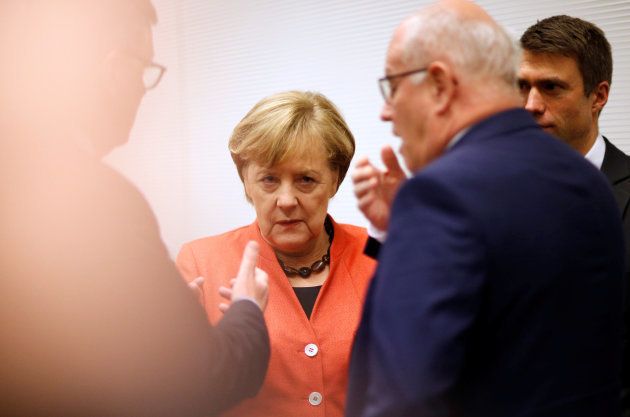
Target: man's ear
{"type": "Point", "coordinates": [443, 85]}
{"type": "Point", "coordinates": [600, 96]}
{"type": "Point", "coordinates": [113, 69]}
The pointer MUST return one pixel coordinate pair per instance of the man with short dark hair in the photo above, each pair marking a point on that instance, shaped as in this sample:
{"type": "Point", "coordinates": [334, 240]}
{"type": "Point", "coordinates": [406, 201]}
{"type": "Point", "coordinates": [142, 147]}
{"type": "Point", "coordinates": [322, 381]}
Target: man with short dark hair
{"type": "Point", "coordinates": [565, 79]}
{"type": "Point", "coordinates": [94, 319]}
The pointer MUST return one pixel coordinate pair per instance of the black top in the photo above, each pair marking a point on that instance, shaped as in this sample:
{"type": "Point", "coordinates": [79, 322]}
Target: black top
{"type": "Point", "coordinates": [307, 297]}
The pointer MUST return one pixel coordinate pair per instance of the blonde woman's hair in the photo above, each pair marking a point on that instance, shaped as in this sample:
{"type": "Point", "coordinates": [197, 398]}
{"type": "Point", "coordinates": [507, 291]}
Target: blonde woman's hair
{"type": "Point", "coordinates": [289, 125]}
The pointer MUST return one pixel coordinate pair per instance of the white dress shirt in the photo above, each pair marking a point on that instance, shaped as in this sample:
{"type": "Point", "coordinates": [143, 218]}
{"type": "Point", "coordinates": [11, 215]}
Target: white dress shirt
{"type": "Point", "coordinates": [595, 155]}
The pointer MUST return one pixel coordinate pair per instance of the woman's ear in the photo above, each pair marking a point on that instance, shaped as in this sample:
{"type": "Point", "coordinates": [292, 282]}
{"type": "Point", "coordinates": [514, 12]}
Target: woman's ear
{"type": "Point", "coordinates": [245, 180]}
{"type": "Point", "coordinates": [335, 183]}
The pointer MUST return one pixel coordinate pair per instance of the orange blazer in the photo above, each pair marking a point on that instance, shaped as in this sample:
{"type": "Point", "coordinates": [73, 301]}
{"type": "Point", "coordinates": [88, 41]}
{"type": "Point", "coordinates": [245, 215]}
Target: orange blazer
{"type": "Point", "coordinates": [308, 368]}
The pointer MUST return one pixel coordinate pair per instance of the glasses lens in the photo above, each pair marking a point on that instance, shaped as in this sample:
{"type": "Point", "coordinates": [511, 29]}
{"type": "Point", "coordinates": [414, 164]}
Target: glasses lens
{"type": "Point", "coordinates": [385, 87]}
{"type": "Point", "coordinates": [151, 77]}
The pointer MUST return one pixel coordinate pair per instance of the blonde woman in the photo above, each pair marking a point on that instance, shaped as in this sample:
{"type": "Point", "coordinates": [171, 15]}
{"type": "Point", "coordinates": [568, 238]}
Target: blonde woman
{"type": "Point", "coordinates": [292, 151]}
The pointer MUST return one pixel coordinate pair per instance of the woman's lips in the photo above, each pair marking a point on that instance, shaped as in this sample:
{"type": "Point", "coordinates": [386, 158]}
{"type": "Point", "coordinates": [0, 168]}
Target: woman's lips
{"type": "Point", "coordinates": [288, 223]}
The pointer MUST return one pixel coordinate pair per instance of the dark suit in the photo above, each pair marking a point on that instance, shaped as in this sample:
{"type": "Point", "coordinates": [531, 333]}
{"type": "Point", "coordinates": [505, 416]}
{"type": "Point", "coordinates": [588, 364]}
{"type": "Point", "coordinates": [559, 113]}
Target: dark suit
{"type": "Point", "coordinates": [616, 167]}
{"type": "Point", "coordinates": [498, 290]}
{"type": "Point", "coordinates": [95, 320]}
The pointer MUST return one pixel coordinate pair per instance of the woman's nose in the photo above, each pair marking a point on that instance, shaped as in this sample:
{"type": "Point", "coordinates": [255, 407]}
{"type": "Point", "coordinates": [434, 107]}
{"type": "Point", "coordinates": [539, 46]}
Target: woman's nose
{"type": "Point", "coordinates": [286, 198]}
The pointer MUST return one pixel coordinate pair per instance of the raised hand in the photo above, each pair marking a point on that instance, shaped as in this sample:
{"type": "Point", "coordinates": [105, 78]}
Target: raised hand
{"type": "Point", "coordinates": [375, 189]}
{"type": "Point", "coordinates": [250, 282]}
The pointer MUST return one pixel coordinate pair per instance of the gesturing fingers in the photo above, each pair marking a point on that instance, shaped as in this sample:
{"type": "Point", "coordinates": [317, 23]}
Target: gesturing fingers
{"type": "Point", "coordinates": [364, 187]}
{"type": "Point", "coordinates": [391, 162]}
{"type": "Point", "coordinates": [364, 172]}
{"type": "Point", "coordinates": [225, 292]}
{"type": "Point", "coordinates": [248, 263]}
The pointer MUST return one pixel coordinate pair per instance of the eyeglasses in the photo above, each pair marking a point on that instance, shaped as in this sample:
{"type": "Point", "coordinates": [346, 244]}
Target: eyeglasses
{"type": "Point", "coordinates": [152, 74]}
{"type": "Point", "coordinates": [385, 83]}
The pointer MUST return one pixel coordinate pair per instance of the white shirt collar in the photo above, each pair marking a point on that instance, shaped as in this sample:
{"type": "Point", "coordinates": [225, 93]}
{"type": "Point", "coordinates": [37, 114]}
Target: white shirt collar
{"type": "Point", "coordinates": [458, 136]}
{"type": "Point", "coordinates": [595, 155]}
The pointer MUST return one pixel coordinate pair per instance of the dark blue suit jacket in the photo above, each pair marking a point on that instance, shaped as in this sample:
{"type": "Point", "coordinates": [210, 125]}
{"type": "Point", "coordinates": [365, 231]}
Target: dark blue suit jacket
{"type": "Point", "coordinates": [499, 289]}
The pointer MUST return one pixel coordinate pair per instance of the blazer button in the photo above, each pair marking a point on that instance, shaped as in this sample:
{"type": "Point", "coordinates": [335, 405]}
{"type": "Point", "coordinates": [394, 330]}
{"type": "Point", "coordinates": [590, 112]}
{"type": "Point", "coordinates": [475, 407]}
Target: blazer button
{"type": "Point", "coordinates": [311, 350]}
{"type": "Point", "coordinates": [315, 398]}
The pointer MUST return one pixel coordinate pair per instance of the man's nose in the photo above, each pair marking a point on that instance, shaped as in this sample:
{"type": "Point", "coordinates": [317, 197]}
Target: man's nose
{"type": "Point", "coordinates": [534, 103]}
{"type": "Point", "coordinates": [386, 112]}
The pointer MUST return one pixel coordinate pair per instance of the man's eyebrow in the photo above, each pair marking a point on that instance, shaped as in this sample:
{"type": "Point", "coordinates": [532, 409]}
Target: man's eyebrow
{"type": "Point", "coordinates": [551, 79]}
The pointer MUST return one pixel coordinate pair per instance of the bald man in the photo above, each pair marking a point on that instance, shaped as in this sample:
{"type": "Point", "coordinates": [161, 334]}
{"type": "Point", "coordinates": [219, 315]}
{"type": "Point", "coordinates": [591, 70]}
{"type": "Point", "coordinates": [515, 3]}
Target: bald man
{"type": "Point", "coordinates": [498, 289]}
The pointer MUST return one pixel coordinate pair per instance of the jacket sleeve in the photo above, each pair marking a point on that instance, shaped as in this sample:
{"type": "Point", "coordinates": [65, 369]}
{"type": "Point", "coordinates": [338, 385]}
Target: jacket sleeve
{"type": "Point", "coordinates": [240, 346]}
{"type": "Point", "coordinates": [372, 247]}
{"type": "Point", "coordinates": [420, 306]}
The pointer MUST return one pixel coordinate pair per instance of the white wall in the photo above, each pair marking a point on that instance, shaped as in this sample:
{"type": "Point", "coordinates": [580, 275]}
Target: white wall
{"type": "Point", "coordinates": [223, 56]}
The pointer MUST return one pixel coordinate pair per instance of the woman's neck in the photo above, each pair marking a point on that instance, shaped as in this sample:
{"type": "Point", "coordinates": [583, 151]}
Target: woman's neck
{"type": "Point", "coordinates": [308, 257]}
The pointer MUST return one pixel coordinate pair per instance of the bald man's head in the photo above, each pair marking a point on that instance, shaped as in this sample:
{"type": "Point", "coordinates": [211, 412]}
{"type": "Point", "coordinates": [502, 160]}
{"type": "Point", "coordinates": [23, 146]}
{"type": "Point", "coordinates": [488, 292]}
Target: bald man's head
{"type": "Point", "coordinates": [462, 33]}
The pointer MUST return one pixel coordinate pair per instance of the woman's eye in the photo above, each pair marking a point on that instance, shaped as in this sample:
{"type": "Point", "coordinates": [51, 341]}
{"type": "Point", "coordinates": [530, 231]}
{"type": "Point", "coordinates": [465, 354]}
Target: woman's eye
{"type": "Point", "coordinates": [268, 180]}
{"type": "Point", "coordinates": [306, 183]}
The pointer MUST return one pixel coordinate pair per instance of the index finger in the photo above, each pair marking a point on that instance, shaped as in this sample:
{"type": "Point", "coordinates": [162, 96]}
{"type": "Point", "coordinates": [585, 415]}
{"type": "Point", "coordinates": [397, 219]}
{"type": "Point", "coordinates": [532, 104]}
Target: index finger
{"type": "Point", "coordinates": [250, 258]}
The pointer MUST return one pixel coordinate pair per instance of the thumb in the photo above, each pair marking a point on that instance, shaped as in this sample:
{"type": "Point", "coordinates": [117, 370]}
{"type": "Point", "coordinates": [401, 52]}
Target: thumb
{"type": "Point", "coordinates": [248, 263]}
{"type": "Point", "coordinates": [391, 162]}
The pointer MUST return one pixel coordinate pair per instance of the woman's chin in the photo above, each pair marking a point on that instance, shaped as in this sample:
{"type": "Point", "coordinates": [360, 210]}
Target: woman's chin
{"type": "Point", "coordinates": [291, 247]}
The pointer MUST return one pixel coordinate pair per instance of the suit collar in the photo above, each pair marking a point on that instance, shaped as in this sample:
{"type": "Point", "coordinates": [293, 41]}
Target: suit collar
{"type": "Point", "coordinates": [498, 124]}
{"type": "Point", "coordinates": [616, 165]}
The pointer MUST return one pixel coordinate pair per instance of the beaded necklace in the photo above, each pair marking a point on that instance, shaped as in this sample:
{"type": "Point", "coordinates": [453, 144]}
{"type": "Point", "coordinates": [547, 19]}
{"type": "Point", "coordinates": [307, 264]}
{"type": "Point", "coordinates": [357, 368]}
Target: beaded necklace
{"type": "Point", "coordinates": [318, 265]}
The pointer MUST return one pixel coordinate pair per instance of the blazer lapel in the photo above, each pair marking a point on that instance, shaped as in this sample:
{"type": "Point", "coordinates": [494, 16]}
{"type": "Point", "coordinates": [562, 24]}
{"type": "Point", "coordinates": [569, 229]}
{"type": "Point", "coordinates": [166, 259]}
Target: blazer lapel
{"type": "Point", "coordinates": [616, 167]}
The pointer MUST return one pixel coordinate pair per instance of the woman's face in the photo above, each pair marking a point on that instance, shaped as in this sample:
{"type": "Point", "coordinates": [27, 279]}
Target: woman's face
{"type": "Point", "coordinates": [291, 200]}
